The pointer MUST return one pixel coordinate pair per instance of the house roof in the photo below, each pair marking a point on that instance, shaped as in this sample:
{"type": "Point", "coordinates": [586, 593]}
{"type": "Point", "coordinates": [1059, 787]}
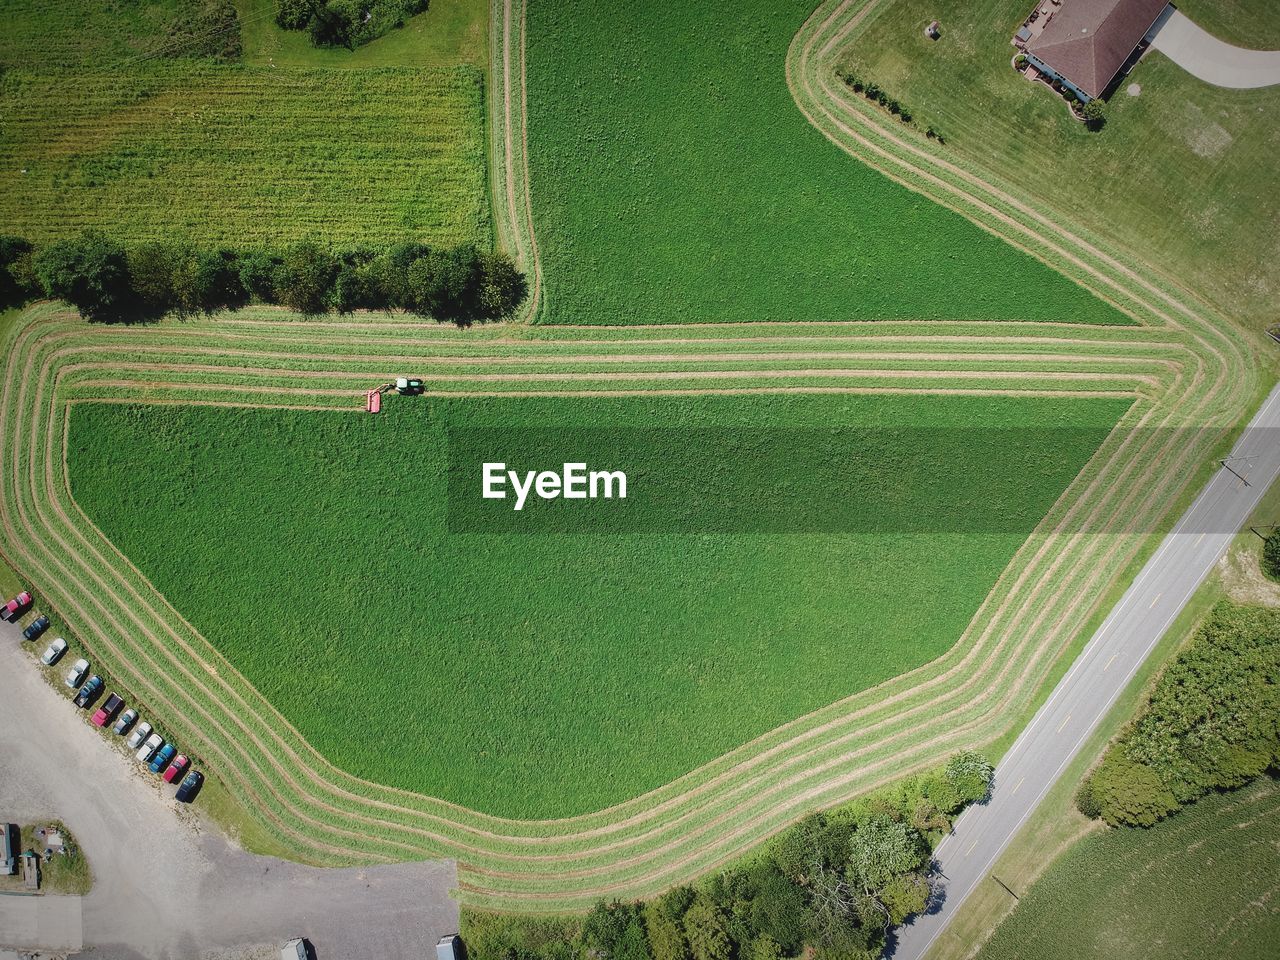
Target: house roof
{"type": "Point", "coordinates": [1088, 41]}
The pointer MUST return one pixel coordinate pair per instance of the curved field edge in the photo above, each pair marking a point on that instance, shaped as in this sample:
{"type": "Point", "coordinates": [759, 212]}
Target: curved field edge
{"type": "Point", "coordinates": [972, 696]}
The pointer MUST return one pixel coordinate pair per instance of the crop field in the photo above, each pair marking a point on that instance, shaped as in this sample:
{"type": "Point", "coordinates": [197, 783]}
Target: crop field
{"type": "Point", "coordinates": [1201, 884]}
{"type": "Point", "coordinates": [1179, 363]}
{"type": "Point", "coordinates": [145, 147]}
{"type": "Point", "coordinates": [674, 180]}
{"type": "Point", "coordinates": [614, 662]}
{"type": "Point", "coordinates": [1183, 172]}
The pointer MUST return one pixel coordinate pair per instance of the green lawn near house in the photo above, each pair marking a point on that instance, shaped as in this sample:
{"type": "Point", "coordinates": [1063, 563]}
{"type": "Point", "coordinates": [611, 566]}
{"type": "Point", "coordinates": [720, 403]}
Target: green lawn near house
{"type": "Point", "coordinates": [674, 179]}
{"type": "Point", "coordinates": [1182, 175]}
{"type": "Point", "coordinates": [1201, 884]}
{"type": "Point", "coordinates": [535, 672]}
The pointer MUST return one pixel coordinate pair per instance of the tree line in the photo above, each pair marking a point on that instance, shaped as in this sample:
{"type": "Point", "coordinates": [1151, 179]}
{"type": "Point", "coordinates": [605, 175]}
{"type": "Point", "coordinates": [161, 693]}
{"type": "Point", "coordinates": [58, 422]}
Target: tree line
{"type": "Point", "coordinates": [1212, 723]}
{"type": "Point", "coordinates": [829, 887]}
{"type": "Point", "coordinates": [107, 281]}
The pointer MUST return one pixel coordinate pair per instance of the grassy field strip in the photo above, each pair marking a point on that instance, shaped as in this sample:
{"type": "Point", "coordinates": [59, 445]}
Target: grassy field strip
{"type": "Point", "coordinates": [711, 822]}
{"type": "Point", "coordinates": [967, 697]}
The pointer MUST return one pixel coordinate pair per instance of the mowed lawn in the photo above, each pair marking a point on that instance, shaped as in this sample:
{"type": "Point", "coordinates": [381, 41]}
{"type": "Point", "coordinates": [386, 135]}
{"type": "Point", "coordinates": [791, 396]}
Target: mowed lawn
{"type": "Point", "coordinates": [1183, 176]}
{"type": "Point", "coordinates": [100, 132]}
{"type": "Point", "coordinates": [674, 179]}
{"type": "Point", "coordinates": [1201, 884]}
{"type": "Point", "coordinates": [543, 674]}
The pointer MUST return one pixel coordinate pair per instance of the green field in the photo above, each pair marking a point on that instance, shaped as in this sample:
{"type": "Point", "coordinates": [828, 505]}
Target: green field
{"type": "Point", "coordinates": [1182, 176]}
{"type": "Point", "coordinates": [1202, 884]}
{"type": "Point", "coordinates": [539, 676]}
{"type": "Point", "coordinates": [674, 179]}
{"type": "Point", "coordinates": [101, 133]}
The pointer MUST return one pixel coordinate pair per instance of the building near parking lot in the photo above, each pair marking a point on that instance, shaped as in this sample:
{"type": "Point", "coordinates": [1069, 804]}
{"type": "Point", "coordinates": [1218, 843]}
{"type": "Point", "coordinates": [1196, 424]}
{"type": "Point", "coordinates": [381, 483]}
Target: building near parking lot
{"type": "Point", "coordinates": [1085, 44]}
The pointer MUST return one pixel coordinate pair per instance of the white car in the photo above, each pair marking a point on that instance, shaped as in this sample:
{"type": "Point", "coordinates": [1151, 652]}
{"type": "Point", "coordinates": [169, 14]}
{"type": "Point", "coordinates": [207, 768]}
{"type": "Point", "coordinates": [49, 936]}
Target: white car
{"type": "Point", "coordinates": [54, 652]}
{"type": "Point", "coordinates": [136, 738]}
{"type": "Point", "coordinates": [148, 749]}
{"type": "Point", "coordinates": [75, 676]}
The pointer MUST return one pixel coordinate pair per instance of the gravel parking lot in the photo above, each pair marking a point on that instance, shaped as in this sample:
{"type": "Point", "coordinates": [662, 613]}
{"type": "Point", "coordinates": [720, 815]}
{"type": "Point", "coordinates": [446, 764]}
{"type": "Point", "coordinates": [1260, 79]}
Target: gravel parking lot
{"type": "Point", "coordinates": [170, 887]}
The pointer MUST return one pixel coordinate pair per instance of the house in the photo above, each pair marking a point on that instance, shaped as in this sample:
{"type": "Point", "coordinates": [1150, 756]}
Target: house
{"type": "Point", "coordinates": [1086, 44]}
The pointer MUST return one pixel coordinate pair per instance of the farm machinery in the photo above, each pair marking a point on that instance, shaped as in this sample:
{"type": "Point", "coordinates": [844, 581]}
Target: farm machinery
{"type": "Point", "coordinates": [405, 386]}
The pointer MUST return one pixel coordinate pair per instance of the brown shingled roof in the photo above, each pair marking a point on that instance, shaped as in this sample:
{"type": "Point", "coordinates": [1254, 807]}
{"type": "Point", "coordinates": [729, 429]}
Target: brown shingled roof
{"type": "Point", "coordinates": [1088, 41]}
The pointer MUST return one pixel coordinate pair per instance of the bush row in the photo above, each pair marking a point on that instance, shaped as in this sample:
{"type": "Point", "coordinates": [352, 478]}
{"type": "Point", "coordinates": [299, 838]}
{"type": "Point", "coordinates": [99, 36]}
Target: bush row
{"type": "Point", "coordinates": [345, 23]}
{"type": "Point", "coordinates": [829, 887]}
{"type": "Point", "coordinates": [106, 281]}
{"type": "Point", "coordinates": [1212, 723]}
{"type": "Point", "coordinates": [876, 94]}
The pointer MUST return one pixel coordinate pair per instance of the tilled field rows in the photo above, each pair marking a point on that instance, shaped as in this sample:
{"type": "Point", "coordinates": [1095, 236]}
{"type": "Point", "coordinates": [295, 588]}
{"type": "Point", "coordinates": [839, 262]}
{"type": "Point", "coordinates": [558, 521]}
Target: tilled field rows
{"type": "Point", "coordinates": [969, 696]}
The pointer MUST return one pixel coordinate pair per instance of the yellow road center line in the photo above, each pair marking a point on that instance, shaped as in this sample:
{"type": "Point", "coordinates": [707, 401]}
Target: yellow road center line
{"type": "Point", "coordinates": [1110, 662]}
{"type": "Point", "coordinates": [971, 846]}
{"type": "Point", "coordinates": [1019, 784]}
{"type": "Point", "coordinates": [1064, 722]}
{"type": "Point", "coordinates": [1154, 599]}
{"type": "Point", "coordinates": [1198, 539]}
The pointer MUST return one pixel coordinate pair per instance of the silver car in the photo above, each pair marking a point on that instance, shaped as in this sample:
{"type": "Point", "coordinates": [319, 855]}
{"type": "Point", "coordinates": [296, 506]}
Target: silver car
{"type": "Point", "coordinates": [53, 653]}
{"type": "Point", "coordinates": [125, 721]}
{"type": "Point", "coordinates": [75, 676]}
{"type": "Point", "coordinates": [136, 738]}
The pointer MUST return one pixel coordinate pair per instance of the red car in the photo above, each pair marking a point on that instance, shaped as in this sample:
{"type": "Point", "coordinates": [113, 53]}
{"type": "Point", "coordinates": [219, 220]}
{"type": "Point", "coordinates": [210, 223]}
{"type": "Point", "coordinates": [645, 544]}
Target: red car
{"type": "Point", "coordinates": [15, 606]}
{"type": "Point", "coordinates": [175, 769]}
{"type": "Point", "coordinates": [107, 712]}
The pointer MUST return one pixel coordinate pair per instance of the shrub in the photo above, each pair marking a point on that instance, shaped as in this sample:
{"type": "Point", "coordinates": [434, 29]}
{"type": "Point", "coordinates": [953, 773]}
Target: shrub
{"type": "Point", "coordinates": [1130, 794]}
{"type": "Point", "coordinates": [1095, 114]}
{"type": "Point", "coordinates": [1271, 556]}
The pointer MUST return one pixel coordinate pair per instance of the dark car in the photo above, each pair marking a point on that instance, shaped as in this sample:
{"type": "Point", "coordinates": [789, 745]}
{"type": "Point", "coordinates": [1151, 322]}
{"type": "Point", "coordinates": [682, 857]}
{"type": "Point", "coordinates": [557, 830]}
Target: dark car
{"type": "Point", "coordinates": [190, 786]}
{"type": "Point", "coordinates": [106, 713]}
{"type": "Point", "coordinates": [92, 687]}
{"type": "Point", "coordinates": [37, 626]}
{"type": "Point", "coordinates": [162, 757]}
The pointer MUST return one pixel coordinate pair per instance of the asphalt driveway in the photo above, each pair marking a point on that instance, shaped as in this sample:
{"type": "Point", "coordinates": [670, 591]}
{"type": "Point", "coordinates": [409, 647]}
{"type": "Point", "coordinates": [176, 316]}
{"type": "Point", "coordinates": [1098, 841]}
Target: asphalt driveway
{"type": "Point", "coordinates": [1207, 58]}
{"type": "Point", "coordinates": [167, 885]}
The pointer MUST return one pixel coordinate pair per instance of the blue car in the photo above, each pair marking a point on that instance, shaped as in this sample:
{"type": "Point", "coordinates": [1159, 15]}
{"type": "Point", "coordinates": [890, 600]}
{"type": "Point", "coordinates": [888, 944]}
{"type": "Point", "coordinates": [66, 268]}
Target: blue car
{"type": "Point", "coordinates": [162, 757]}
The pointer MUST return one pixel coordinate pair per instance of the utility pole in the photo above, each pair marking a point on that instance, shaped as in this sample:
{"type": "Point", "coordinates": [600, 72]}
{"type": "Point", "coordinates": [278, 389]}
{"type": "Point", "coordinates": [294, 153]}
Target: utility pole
{"type": "Point", "coordinates": [1226, 464]}
{"type": "Point", "coordinates": [1006, 887]}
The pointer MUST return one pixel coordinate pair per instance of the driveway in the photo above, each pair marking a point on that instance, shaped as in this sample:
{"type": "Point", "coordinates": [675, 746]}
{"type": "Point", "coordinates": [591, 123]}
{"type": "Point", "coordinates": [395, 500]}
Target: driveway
{"type": "Point", "coordinates": [167, 885]}
{"type": "Point", "coordinates": [1207, 58]}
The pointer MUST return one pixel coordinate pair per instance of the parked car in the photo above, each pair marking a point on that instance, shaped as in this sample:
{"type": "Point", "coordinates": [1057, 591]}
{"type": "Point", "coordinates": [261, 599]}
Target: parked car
{"type": "Point", "coordinates": [15, 607]}
{"type": "Point", "coordinates": [180, 763]}
{"type": "Point", "coordinates": [107, 712]}
{"type": "Point", "coordinates": [53, 653]}
{"type": "Point", "coordinates": [295, 949]}
{"type": "Point", "coordinates": [10, 841]}
{"type": "Point", "coordinates": [36, 627]}
{"type": "Point", "coordinates": [190, 786]}
{"type": "Point", "coordinates": [162, 757]}
{"type": "Point", "coordinates": [125, 721]}
{"type": "Point", "coordinates": [136, 738]}
{"type": "Point", "coordinates": [75, 676]}
{"type": "Point", "coordinates": [449, 947]}
{"type": "Point", "coordinates": [89, 692]}
{"type": "Point", "coordinates": [148, 749]}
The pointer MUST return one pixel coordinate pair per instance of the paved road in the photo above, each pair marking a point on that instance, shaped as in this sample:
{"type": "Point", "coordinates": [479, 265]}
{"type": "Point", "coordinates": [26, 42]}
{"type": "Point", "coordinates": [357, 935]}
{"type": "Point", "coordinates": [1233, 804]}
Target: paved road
{"type": "Point", "coordinates": [1207, 58]}
{"type": "Point", "coordinates": [1106, 665]}
{"type": "Point", "coordinates": [168, 885]}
